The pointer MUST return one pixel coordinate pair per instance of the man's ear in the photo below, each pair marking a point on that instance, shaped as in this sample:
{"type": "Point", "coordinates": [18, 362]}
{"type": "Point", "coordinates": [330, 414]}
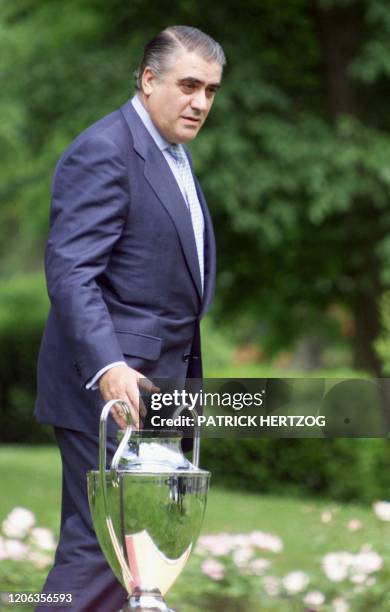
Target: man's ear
{"type": "Point", "coordinates": [148, 80]}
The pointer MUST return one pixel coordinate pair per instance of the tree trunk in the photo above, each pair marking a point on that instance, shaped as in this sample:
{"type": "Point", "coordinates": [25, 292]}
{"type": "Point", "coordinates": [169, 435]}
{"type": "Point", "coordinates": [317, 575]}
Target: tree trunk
{"type": "Point", "coordinates": [339, 29]}
{"type": "Point", "coordinates": [367, 324]}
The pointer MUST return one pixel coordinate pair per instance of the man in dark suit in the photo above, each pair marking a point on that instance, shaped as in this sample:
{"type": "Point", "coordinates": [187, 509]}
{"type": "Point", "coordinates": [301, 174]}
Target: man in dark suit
{"type": "Point", "coordinates": [130, 266]}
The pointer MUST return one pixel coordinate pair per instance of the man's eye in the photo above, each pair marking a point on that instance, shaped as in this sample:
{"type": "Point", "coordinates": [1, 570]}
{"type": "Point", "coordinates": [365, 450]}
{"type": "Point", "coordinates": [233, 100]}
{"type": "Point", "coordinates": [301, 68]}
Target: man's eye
{"type": "Point", "coordinates": [187, 87]}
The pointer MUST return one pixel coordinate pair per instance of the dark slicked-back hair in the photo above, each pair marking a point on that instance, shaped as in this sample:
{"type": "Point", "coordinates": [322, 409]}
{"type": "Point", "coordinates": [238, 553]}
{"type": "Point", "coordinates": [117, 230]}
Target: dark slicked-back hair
{"type": "Point", "coordinates": [159, 52]}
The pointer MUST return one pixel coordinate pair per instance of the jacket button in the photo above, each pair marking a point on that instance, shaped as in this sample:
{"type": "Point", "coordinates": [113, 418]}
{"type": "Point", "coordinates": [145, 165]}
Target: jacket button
{"type": "Point", "coordinates": [186, 357]}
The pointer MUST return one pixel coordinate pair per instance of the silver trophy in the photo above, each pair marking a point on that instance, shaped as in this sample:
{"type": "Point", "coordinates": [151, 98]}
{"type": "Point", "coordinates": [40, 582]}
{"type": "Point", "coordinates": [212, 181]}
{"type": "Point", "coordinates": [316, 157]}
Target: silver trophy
{"type": "Point", "coordinates": [147, 509]}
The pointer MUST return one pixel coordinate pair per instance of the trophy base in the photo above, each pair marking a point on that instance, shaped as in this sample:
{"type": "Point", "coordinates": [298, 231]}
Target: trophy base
{"type": "Point", "coordinates": [146, 603]}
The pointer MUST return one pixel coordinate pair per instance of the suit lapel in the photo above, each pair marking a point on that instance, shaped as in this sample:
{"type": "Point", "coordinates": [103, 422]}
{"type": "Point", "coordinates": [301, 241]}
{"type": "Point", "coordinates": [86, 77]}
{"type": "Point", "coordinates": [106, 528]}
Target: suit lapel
{"type": "Point", "coordinates": [163, 183]}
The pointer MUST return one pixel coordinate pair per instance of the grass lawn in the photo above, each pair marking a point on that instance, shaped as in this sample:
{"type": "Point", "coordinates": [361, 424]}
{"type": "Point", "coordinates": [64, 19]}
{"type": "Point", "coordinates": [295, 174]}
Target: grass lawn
{"type": "Point", "coordinates": [30, 477]}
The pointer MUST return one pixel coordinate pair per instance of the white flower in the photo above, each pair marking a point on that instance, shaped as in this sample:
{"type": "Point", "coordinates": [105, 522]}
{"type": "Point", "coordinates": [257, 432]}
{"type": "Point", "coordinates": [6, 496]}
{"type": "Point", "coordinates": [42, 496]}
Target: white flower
{"type": "Point", "coordinates": [216, 544]}
{"type": "Point", "coordinates": [326, 516]}
{"type": "Point", "coordinates": [259, 565]}
{"type": "Point", "coordinates": [43, 538]}
{"type": "Point", "coordinates": [266, 541]}
{"type": "Point", "coordinates": [241, 556]}
{"type": "Point", "coordinates": [220, 544]}
{"type": "Point", "coordinates": [40, 560]}
{"type": "Point", "coordinates": [240, 540]}
{"type": "Point", "coordinates": [295, 582]}
{"type": "Point", "coordinates": [367, 562]}
{"type": "Point", "coordinates": [213, 569]}
{"type": "Point", "coordinates": [354, 525]}
{"type": "Point", "coordinates": [371, 580]}
{"type": "Point", "coordinates": [340, 565]}
{"type": "Point", "coordinates": [3, 553]}
{"type": "Point", "coordinates": [339, 604]}
{"type": "Point", "coordinates": [15, 550]}
{"type": "Point", "coordinates": [314, 598]}
{"type": "Point", "coordinates": [271, 585]}
{"type": "Point", "coordinates": [382, 510]}
{"type": "Point", "coordinates": [18, 523]}
{"type": "Point", "coordinates": [335, 565]}
{"type": "Point", "coordinates": [358, 578]}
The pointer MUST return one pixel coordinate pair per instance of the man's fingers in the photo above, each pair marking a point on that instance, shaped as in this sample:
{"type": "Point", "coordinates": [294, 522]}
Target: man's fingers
{"type": "Point", "coordinates": [135, 416]}
{"type": "Point", "coordinates": [123, 382]}
{"type": "Point", "coordinates": [147, 385]}
{"type": "Point", "coordinates": [135, 398]}
{"type": "Point", "coordinates": [142, 408]}
{"type": "Point", "coordinates": [120, 416]}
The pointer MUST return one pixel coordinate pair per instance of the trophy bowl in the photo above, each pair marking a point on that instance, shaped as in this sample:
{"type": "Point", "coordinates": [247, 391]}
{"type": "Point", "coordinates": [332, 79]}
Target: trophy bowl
{"type": "Point", "coordinates": [147, 510]}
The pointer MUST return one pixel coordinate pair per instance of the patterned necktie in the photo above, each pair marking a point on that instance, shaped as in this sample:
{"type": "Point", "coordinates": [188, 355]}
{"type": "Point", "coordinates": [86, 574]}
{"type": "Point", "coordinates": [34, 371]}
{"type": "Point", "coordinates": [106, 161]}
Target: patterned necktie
{"type": "Point", "coordinates": [187, 182]}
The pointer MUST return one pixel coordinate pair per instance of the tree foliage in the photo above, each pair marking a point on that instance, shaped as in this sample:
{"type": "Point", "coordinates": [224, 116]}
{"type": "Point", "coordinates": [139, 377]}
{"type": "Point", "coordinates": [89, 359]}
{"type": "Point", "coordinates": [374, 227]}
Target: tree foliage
{"type": "Point", "coordinates": [293, 160]}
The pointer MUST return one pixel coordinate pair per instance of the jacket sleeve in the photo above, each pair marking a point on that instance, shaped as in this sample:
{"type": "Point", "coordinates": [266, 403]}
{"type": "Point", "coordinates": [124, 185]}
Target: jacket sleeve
{"type": "Point", "coordinates": [90, 205]}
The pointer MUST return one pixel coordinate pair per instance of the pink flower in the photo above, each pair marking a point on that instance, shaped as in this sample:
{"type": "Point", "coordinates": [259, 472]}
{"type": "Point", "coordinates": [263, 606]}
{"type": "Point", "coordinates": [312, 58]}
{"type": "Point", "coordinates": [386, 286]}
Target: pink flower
{"type": "Point", "coordinates": [339, 604]}
{"type": "Point", "coordinates": [336, 565]}
{"type": "Point", "coordinates": [220, 544]}
{"type": "Point", "coordinates": [258, 566]}
{"type": "Point", "coordinates": [358, 578]}
{"type": "Point", "coordinates": [341, 565]}
{"type": "Point", "coordinates": [354, 525]}
{"type": "Point", "coordinates": [266, 541]}
{"type": "Point", "coordinates": [242, 556]}
{"type": "Point", "coordinates": [43, 538]}
{"type": "Point", "coordinates": [3, 553]}
{"type": "Point", "coordinates": [241, 540]}
{"type": "Point", "coordinates": [40, 560]}
{"type": "Point", "coordinates": [367, 562]}
{"type": "Point", "coordinates": [213, 569]}
{"type": "Point", "coordinates": [15, 550]}
{"type": "Point", "coordinates": [314, 598]}
{"type": "Point", "coordinates": [271, 585]}
{"type": "Point", "coordinates": [216, 544]}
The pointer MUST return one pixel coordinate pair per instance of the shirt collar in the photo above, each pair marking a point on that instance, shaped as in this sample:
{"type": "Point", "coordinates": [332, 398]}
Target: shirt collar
{"type": "Point", "coordinates": [148, 123]}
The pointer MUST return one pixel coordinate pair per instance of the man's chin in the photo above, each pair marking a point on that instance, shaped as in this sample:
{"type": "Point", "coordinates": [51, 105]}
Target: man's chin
{"type": "Point", "coordinates": [187, 135]}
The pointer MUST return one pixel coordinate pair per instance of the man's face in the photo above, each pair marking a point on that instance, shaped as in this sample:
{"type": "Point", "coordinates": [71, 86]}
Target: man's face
{"type": "Point", "coordinates": [180, 101]}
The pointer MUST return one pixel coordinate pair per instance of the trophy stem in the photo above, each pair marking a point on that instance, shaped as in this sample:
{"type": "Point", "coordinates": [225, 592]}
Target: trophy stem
{"type": "Point", "coordinates": [146, 602]}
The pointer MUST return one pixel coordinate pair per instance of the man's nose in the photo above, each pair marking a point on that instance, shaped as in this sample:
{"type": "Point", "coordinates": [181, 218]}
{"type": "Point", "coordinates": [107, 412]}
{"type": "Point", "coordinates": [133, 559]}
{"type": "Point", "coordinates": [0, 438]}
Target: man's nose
{"type": "Point", "coordinates": [199, 100]}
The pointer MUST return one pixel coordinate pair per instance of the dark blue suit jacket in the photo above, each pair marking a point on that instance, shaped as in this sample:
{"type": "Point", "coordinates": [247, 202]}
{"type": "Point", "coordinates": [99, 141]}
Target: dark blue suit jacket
{"type": "Point", "coordinates": [122, 270]}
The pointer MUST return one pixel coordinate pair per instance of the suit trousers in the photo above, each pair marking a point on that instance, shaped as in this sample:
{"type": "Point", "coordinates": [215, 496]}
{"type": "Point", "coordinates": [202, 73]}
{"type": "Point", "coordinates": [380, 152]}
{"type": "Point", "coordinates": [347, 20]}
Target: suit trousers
{"type": "Point", "coordinates": [80, 567]}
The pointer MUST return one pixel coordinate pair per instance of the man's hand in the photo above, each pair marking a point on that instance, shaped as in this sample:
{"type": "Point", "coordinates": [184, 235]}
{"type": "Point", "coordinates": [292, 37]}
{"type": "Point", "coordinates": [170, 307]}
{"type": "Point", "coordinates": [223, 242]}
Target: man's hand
{"type": "Point", "coordinates": [122, 382]}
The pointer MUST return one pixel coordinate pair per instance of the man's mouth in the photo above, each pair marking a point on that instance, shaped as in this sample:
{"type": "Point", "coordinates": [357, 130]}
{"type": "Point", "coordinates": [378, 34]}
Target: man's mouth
{"type": "Point", "coordinates": [192, 119]}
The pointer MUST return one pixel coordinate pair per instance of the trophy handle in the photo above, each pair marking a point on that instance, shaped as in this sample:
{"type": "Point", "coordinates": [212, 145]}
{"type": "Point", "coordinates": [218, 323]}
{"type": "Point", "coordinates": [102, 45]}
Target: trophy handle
{"type": "Point", "coordinates": [115, 480]}
{"type": "Point", "coordinates": [196, 448]}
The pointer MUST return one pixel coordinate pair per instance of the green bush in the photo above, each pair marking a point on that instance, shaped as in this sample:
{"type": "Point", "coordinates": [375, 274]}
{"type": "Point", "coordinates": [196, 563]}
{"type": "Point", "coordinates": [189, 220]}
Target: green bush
{"type": "Point", "coordinates": [383, 343]}
{"type": "Point", "coordinates": [23, 311]}
{"type": "Point", "coordinates": [340, 469]}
